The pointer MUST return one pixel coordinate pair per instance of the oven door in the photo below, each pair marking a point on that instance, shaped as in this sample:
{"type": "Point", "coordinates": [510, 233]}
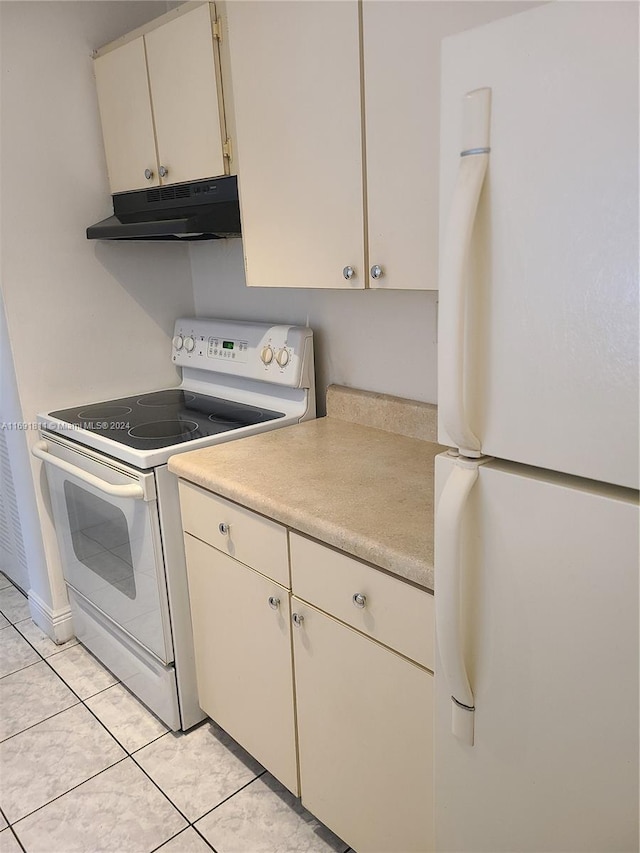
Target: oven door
{"type": "Point", "coordinates": [108, 532]}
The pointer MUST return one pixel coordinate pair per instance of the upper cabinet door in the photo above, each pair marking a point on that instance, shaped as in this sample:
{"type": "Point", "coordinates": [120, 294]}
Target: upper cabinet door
{"type": "Point", "coordinates": [186, 103]}
{"type": "Point", "coordinates": [295, 69]}
{"type": "Point", "coordinates": [401, 53]}
{"type": "Point", "coordinates": [127, 122]}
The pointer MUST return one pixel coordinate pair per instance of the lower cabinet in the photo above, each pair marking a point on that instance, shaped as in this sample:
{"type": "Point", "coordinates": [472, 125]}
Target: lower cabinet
{"type": "Point", "coordinates": [242, 639]}
{"type": "Point", "coordinates": [365, 736]}
{"type": "Point", "coordinates": [327, 683]}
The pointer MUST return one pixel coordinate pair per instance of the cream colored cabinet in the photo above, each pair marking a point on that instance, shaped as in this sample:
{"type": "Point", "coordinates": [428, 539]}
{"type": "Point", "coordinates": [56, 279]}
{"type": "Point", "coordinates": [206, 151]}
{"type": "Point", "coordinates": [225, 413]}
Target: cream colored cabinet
{"type": "Point", "coordinates": [365, 736]}
{"type": "Point", "coordinates": [364, 710]}
{"type": "Point", "coordinates": [337, 125]}
{"type": "Point", "coordinates": [160, 99]}
{"type": "Point", "coordinates": [295, 72]}
{"type": "Point", "coordinates": [331, 689]}
{"type": "Point", "coordinates": [253, 540]}
{"type": "Point", "coordinates": [242, 638]}
{"type": "Point", "coordinates": [401, 78]}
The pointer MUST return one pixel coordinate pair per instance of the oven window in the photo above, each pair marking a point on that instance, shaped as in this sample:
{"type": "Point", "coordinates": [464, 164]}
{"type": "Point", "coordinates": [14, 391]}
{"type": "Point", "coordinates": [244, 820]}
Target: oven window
{"type": "Point", "coordinates": [100, 537]}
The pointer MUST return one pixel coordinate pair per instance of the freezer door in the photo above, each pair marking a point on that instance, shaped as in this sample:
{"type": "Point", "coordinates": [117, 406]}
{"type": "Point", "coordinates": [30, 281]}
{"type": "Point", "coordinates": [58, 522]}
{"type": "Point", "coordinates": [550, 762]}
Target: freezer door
{"type": "Point", "coordinates": [550, 340]}
{"type": "Point", "coordinates": [549, 633]}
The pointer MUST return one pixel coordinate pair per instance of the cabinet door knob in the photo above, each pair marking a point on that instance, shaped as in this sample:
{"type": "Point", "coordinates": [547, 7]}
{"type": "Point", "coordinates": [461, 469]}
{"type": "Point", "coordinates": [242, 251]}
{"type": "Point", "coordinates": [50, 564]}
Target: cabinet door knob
{"type": "Point", "coordinates": [274, 602]}
{"type": "Point", "coordinates": [348, 272]}
{"type": "Point", "coordinates": [297, 619]}
{"type": "Point", "coordinates": [148, 173]}
{"type": "Point", "coordinates": [224, 528]}
{"type": "Point", "coordinates": [377, 271]}
{"type": "Point", "coordinates": [359, 600]}
{"type": "Point", "coordinates": [163, 171]}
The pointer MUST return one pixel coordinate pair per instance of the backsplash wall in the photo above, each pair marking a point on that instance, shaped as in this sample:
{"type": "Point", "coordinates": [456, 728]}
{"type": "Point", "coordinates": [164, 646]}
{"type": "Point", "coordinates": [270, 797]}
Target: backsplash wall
{"type": "Point", "coordinates": [376, 340]}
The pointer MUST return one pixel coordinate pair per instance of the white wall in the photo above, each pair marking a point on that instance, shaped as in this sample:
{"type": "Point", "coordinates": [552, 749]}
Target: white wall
{"type": "Point", "coordinates": [87, 321]}
{"type": "Point", "coordinates": [377, 340]}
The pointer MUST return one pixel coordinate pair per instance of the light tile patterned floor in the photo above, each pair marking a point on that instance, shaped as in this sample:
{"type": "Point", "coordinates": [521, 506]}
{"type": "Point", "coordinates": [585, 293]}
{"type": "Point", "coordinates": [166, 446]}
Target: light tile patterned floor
{"type": "Point", "coordinates": [85, 768]}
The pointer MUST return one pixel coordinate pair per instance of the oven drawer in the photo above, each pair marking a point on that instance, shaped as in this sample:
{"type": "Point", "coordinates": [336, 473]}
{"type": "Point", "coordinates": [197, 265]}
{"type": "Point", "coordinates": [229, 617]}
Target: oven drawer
{"type": "Point", "coordinates": [238, 532]}
{"type": "Point", "coordinates": [391, 611]}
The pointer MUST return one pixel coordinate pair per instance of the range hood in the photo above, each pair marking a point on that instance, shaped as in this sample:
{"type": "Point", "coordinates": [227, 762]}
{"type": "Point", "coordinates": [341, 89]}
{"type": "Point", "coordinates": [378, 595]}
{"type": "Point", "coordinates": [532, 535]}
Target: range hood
{"type": "Point", "coordinates": [202, 210]}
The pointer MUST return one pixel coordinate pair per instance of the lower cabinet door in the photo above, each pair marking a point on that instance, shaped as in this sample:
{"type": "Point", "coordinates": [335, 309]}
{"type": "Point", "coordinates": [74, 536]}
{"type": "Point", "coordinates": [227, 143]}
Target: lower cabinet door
{"type": "Point", "coordinates": [365, 736]}
{"type": "Point", "coordinates": [242, 639]}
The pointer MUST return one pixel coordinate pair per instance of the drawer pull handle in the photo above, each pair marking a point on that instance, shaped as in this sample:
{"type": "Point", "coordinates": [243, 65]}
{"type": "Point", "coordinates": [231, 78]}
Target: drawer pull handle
{"type": "Point", "coordinates": [359, 600]}
{"type": "Point", "coordinates": [297, 619]}
{"type": "Point", "coordinates": [224, 528]}
{"type": "Point", "coordinates": [274, 602]}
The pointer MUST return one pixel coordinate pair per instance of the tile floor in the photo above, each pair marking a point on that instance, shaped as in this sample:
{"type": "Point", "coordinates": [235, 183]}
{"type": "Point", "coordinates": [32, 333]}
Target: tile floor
{"type": "Point", "coordinates": [85, 768]}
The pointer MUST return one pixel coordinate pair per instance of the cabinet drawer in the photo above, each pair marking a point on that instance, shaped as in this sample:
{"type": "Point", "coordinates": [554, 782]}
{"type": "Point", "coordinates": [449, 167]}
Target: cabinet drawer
{"type": "Point", "coordinates": [250, 538]}
{"type": "Point", "coordinates": [394, 613]}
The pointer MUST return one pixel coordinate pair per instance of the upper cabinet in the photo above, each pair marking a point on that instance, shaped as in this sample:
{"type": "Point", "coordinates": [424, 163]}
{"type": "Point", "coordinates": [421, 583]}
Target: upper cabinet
{"type": "Point", "coordinates": [401, 70]}
{"type": "Point", "coordinates": [295, 73]}
{"type": "Point", "coordinates": [160, 99]}
{"type": "Point", "coordinates": [337, 125]}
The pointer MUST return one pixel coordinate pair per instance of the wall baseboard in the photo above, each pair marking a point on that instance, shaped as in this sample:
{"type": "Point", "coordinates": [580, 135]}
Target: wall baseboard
{"type": "Point", "coordinates": [56, 624]}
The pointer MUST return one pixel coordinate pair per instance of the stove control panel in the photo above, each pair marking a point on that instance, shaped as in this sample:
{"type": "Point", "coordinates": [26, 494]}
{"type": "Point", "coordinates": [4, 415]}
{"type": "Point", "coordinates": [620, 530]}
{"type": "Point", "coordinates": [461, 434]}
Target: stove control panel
{"type": "Point", "coordinates": [228, 349]}
{"type": "Point", "coordinates": [282, 355]}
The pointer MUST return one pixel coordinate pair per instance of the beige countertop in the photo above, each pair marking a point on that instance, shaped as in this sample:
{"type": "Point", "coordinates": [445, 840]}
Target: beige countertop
{"type": "Point", "coordinates": [364, 490]}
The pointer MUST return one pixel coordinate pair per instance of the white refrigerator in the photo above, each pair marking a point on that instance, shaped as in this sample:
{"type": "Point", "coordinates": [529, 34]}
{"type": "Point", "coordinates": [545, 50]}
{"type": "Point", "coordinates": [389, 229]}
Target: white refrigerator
{"type": "Point", "coordinates": [536, 552]}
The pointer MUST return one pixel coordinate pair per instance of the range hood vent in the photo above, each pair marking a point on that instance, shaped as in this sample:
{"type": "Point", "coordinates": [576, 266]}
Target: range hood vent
{"type": "Point", "coordinates": [201, 210]}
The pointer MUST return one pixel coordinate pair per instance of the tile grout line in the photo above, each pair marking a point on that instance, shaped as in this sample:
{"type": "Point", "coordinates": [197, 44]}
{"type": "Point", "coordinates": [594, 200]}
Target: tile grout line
{"type": "Point", "coordinates": [173, 837]}
{"type": "Point", "coordinates": [59, 796]}
{"type": "Point", "coordinates": [226, 799]}
{"type": "Point", "coordinates": [21, 669]}
{"type": "Point", "coordinates": [81, 701]}
{"type": "Point", "coordinates": [99, 773]}
{"type": "Point", "coordinates": [44, 720]}
{"type": "Point", "coordinates": [128, 754]}
{"type": "Point", "coordinates": [17, 840]}
{"type": "Point", "coordinates": [60, 648]}
{"type": "Point", "coordinates": [195, 828]}
{"type": "Point", "coordinates": [164, 794]}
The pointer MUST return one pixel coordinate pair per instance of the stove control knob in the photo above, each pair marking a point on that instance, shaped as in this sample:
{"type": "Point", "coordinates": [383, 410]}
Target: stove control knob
{"type": "Point", "coordinates": [178, 342]}
{"type": "Point", "coordinates": [189, 344]}
{"type": "Point", "coordinates": [266, 355]}
{"type": "Point", "coordinates": [282, 357]}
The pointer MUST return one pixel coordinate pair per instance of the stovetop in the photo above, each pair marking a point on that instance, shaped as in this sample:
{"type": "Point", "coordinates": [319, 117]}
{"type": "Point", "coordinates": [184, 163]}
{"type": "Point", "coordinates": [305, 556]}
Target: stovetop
{"type": "Point", "coordinates": [163, 418]}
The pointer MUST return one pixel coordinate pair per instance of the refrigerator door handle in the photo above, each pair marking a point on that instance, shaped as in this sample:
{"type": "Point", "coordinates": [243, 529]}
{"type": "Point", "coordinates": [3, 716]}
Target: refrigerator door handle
{"type": "Point", "coordinates": [449, 515]}
{"type": "Point", "coordinates": [474, 159]}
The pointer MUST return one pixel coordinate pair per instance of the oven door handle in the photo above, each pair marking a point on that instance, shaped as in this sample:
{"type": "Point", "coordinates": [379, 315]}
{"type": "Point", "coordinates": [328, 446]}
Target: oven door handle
{"type": "Point", "coordinates": [132, 490]}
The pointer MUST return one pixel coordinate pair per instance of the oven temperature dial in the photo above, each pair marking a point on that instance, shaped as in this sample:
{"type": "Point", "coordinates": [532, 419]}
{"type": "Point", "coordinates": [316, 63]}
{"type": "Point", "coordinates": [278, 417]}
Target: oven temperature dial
{"type": "Point", "coordinates": [178, 342]}
{"type": "Point", "coordinates": [282, 357]}
{"type": "Point", "coordinates": [266, 355]}
{"type": "Point", "coordinates": [189, 344]}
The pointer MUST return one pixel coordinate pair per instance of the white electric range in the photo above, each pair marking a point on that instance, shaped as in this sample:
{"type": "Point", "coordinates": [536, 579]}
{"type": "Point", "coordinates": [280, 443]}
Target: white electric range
{"type": "Point", "coordinates": [115, 504]}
